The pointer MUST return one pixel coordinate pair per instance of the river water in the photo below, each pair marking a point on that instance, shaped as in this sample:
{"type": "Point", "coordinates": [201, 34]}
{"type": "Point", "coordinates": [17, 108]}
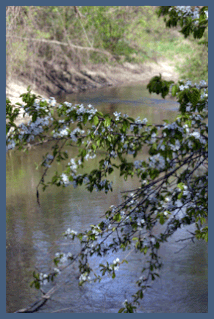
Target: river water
{"type": "Point", "coordinates": [34, 234]}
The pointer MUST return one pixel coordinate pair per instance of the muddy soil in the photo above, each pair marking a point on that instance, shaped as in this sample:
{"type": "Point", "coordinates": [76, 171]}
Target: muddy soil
{"type": "Point", "coordinates": [57, 81]}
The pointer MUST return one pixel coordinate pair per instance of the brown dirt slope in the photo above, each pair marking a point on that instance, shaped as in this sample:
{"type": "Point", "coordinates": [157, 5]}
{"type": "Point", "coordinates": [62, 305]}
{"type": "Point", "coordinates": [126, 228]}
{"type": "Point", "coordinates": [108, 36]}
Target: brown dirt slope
{"type": "Point", "coordinates": [58, 81]}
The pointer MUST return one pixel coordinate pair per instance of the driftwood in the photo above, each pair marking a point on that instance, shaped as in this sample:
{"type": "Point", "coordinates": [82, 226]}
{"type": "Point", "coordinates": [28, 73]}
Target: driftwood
{"type": "Point", "coordinates": [35, 306]}
{"type": "Point", "coordinates": [61, 43]}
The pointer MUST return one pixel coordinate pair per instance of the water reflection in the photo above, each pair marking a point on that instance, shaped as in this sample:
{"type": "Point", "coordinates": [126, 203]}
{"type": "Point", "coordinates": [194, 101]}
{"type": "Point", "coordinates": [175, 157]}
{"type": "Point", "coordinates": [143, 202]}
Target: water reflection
{"type": "Point", "coordinates": [34, 233]}
{"type": "Point", "coordinates": [133, 100]}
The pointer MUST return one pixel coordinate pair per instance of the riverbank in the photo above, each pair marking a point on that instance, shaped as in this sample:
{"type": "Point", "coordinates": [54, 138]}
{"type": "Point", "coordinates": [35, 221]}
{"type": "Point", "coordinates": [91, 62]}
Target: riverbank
{"type": "Point", "coordinates": [94, 78]}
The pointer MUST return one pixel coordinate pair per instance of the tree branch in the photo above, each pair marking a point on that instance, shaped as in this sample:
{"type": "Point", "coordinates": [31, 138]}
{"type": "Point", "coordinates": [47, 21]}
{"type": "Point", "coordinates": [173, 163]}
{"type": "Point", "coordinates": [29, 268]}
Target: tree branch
{"type": "Point", "coordinates": [62, 43]}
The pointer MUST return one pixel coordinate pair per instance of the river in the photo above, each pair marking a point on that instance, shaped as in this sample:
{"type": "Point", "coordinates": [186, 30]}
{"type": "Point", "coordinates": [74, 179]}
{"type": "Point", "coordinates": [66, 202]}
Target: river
{"type": "Point", "coordinates": [34, 234]}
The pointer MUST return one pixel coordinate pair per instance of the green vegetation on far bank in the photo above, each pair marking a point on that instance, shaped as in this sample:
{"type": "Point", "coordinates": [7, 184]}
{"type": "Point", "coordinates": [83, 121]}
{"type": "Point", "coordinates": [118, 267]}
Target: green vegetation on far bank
{"type": "Point", "coordinates": [41, 40]}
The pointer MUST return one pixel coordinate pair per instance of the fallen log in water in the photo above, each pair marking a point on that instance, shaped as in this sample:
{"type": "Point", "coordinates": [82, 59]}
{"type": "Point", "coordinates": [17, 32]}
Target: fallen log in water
{"type": "Point", "coordinates": [37, 304]}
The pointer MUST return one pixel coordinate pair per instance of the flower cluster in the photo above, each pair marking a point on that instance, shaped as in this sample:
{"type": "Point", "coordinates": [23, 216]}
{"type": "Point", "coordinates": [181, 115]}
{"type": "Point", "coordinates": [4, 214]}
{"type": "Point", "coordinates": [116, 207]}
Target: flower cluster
{"type": "Point", "coordinates": [70, 233]}
{"type": "Point", "coordinates": [43, 278]}
{"type": "Point", "coordinates": [73, 165]}
{"type": "Point", "coordinates": [61, 258]}
{"type": "Point", "coordinates": [47, 160]}
{"type": "Point", "coordinates": [157, 161]}
{"type": "Point", "coordinates": [116, 264]}
{"type": "Point", "coordinates": [65, 180]}
{"type": "Point", "coordinates": [84, 277]}
{"type": "Point", "coordinates": [117, 115]}
{"type": "Point", "coordinates": [187, 11]}
{"type": "Point", "coordinates": [11, 144]}
{"type": "Point", "coordinates": [103, 185]}
{"type": "Point", "coordinates": [74, 134]}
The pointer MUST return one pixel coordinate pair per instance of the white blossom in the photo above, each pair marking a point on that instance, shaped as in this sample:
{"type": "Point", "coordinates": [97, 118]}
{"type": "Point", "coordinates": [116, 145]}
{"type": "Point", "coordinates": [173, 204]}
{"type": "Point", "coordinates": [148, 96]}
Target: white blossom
{"type": "Point", "coordinates": [116, 261]}
{"type": "Point", "coordinates": [70, 232]}
{"type": "Point", "coordinates": [85, 276]}
{"type": "Point", "coordinates": [72, 164]}
{"type": "Point", "coordinates": [195, 134]}
{"type": "Point", "coordinates": [137, 164]}
{"type": "Point", "coordinates": [125, 302]}
{"type": "Point", "coordinates": [65, 181]}
{"type": "Point", "coordinates": [141, 222]}
{"type": "Point", "coordinates": [56, 270]}
{"type": "Point", "coordinates": [117, 115]}
{"type": "Point", "coordinates": [153, 240]}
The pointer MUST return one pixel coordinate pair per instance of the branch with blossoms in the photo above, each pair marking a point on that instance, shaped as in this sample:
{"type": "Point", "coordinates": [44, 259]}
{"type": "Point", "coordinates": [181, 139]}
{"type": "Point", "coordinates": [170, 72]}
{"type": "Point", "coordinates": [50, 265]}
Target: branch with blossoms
{"type": "Point", "coordinates": [170, 192]}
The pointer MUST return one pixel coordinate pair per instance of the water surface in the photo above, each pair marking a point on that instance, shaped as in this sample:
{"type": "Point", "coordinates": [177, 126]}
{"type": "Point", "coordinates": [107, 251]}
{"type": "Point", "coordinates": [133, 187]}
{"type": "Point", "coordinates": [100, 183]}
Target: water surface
{"type": "Point", "coordinates": [34, 233]}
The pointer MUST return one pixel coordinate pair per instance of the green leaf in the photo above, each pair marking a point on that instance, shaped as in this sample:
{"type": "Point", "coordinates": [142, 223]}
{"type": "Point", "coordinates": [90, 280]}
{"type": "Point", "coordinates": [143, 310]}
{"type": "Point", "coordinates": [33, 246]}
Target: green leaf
{"type": "Point", "coordinates": [162, 221]}
{"type": "Point", "coordinates": [95, 120]}
{"type": "Point", "coordinates": [145, 250]}
{"type": "Point", "coordinates": [174, 90]}
{"type": "Point", "coordinates": [85, 118]}
{"type": "Point", "coordinates": [37, 166]}
{"type": "Point", "coordinates": [180, 195]}
{"type": "Point", "coordinates": [157, 245]}
{"type": "Point", "coordinates": [107, 121]}
{"type": "Point", "coordinates": [93, 146]}
{"type": "Point", "coordinates": [37, 285]}
{"type": "Point", "coordinates": [34, 117]}
{"type": "Point", "coordinates": [121, 310]}
{"type": "Point", "coordinates": [117, 217]}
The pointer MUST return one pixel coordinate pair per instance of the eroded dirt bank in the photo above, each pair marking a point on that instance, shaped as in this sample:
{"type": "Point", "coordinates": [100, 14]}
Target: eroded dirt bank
{"type": "Point", "coordinates": [57, 81]}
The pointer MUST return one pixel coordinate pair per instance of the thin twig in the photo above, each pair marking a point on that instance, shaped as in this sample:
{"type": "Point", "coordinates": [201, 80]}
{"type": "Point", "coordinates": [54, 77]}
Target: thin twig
{"type": "Point", "coordinates": [79, 16]}
{"type": "Point", "coordinates": [61, 309]}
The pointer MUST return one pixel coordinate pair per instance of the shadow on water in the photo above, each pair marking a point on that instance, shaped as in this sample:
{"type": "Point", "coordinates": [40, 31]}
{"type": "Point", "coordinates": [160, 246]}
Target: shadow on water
{"type": "Point", "coordinates": [34, 234]}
